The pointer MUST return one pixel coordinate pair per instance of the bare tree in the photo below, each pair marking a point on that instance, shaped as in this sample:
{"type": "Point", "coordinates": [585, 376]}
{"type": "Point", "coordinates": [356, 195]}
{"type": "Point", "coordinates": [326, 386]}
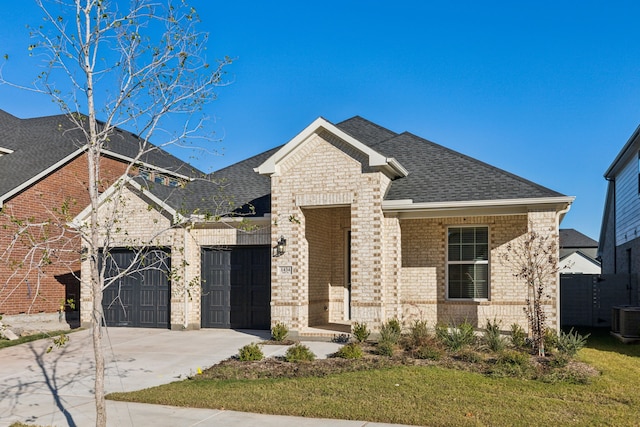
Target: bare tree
{"type": "Point", "coordinates": [134, 68]}
{"type": "Point", "coordinates": [534, 258]}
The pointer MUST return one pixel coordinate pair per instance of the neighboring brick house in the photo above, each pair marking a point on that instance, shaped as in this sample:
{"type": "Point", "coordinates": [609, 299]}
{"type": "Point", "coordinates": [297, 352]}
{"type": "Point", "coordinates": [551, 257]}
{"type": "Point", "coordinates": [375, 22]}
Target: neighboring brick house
{"type": "Point", "coordinates": [350, 222]}
{"type": "Point", "coordinates": [42, 168]}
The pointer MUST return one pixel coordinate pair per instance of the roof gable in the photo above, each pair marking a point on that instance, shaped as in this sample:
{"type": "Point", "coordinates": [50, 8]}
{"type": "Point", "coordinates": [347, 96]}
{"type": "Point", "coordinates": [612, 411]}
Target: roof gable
{"type": "Point", "coordinates": [378, 161]}
{"type": "Point", "coordinates": [40, 145]}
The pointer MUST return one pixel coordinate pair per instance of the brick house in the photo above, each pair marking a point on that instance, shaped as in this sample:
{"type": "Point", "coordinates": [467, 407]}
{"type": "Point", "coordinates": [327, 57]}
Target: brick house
{"type": "Point", "coordinates": [345, 222]}
{"type": "Point", "coordinates": [42, 168]}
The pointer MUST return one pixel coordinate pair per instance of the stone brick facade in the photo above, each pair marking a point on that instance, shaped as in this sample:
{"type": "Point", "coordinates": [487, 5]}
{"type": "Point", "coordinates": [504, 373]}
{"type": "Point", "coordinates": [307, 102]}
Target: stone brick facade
{"type": "Point", "coordinates": [347, 259]}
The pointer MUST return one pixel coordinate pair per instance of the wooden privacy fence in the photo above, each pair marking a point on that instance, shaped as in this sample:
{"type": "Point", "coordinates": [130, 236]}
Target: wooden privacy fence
{"type": "Point", "coordinates": [587, 299]}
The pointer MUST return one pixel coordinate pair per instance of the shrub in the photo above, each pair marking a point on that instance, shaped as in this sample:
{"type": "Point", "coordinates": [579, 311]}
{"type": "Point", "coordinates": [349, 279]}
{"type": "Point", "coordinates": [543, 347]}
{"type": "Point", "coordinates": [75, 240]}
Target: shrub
{"type": "Point", "coordinates": [250, 352]}
{"type": "Point", "coordinates": [279, 331]}
{"type": "Point", "coordinates": [350, 351]}
{"type": "Point", "coordinates": [428, 352]}
{"type": "Point", "coordinates": [492, 337]}
{"type": "Point", "coordinates": [299, 353]}
{"type": "Point", "coordinates": [360, 331]}
{"type": "Point", "coordinates": [390, 331]}
{"type": "Point", "coordinates": [513, 357]}
{"type": "Point", "coordinates": [518, 336]}
{"type": "Point", "coordinates": [469, 355]}
{"type": "Point", "coordinates": [550, 339]}
{"type": "Point", "coordinates": [456, 337]}
{"type": "Point", "coordinates": [512, 363]}
{"type": "Point", "coordinates": [570, 343]}
{"type": "Point", "coordinates": [418, 334]}
{"type": "Point", "coordinates": [385, 348]}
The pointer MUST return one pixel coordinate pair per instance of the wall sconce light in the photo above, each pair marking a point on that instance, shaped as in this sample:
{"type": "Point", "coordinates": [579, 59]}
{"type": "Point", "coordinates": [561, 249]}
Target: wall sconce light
{"type": "Point", "coordinates": [280, 247]}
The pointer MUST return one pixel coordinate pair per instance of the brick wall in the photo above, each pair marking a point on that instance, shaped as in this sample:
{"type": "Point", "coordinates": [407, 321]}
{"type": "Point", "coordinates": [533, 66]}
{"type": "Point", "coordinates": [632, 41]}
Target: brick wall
{"type": "Point", "coordinates": [130, 223]}
{"type": "Point", "coordinates": [22, 289]}
{"type": "Point", "coordinates": [423, 274]}
{"type": "Point", "coordinates": [325, 173]}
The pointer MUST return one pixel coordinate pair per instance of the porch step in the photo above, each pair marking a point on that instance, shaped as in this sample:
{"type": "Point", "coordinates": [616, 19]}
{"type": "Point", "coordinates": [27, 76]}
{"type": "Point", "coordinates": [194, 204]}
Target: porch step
{"type": "Point", "coordinates": [321, 332]}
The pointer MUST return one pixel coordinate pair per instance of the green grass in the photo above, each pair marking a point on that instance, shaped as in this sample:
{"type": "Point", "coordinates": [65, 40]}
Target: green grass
{"type": "Point", "coordinates": [29, 338]}
{"type": "Point", "coordinates": [430, 395]}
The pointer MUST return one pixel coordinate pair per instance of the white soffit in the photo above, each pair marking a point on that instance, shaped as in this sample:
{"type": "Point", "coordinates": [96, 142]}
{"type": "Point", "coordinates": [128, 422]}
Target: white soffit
{"type": "Point", "coordinates": [407, 209]}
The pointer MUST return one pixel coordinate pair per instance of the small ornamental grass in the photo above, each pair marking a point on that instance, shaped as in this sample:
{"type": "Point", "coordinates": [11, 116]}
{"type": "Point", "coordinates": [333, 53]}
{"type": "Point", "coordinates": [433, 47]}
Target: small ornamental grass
{"type": "Point", "coordinates": [492, 337]}
{"type": "Point", "coordinates": [570, 343]}
{"type": "Point", "coordinates": [299, 353]}
{"type": "Point", "coordinates": [390, 331]}
{"type": "Point", "coordinates": [518, 336]}
{"type": "Point", "coordinates": [456, 337]}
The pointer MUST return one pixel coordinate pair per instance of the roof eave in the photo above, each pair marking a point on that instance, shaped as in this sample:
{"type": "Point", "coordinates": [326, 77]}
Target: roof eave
{"type": "Point", "coordinates": [41, 175]}
{"type": "Point", "coordinates": [409, 209]}
{"type": "Point", "coordinates": [622, 155]}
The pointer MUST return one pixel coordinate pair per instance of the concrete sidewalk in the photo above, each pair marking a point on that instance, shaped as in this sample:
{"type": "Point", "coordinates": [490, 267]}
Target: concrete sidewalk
{"type": "Point", "coordinates": [56, 388]}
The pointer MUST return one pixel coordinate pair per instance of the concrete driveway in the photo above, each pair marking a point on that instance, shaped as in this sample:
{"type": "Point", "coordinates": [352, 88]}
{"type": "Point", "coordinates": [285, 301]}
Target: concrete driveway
{"type": "Point", "coordinates": [56, 388]}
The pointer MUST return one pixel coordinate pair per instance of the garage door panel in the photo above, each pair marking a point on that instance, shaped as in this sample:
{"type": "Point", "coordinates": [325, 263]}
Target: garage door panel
{"type": "Point", "coordinates": [141, 298]}
{"type": "Point", "coordinates": [236, 272]}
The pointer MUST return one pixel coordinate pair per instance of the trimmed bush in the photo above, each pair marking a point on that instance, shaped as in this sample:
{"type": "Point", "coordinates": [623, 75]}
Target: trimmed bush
{"type": "Point", "coordinates": [279, 331]}
{"type": "Point", "coordinates": [250, 352]}
{"type": "Point", "coordinates": [299, 353]}
{"type": "Point", "coordinates": [360, 331]}
{"type": "Point", "coordinates": [350, 351]}
{"type": "Point", "coordinates": [385, 348]}
{"type": "Point", "coordinates": [428, 352]}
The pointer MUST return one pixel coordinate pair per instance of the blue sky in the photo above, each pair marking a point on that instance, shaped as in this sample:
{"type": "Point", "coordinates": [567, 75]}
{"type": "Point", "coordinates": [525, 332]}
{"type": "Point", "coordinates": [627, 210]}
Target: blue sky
{"type": "Point", "coordinates": [547, 90]}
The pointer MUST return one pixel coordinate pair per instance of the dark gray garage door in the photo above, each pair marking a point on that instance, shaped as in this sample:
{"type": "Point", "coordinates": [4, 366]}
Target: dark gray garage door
{"type": "Point", "coordinates": [236, 287]}
{"type": "Point", "coordinates": [141, 298]}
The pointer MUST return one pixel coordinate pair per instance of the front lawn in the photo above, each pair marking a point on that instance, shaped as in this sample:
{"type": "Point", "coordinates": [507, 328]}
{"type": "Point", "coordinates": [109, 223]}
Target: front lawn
{"type": "Point", "coordinates": [428, 394]}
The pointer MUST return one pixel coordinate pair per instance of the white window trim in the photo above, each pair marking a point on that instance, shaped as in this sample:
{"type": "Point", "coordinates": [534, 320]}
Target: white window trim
{"type": "Point", "coordinates": [487, 262]}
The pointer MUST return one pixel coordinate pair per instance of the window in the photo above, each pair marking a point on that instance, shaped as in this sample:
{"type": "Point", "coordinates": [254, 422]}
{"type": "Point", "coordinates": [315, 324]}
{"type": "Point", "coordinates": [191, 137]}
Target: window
{"type": "Point", "coordinates": [468, 263]}
{"type": "Point", "coordinates": [638, 172]}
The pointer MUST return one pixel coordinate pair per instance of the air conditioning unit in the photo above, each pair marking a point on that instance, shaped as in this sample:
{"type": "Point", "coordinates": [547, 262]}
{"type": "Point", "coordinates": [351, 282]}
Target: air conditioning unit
{"type": "Point", "coordinates": [615, 319]}
{"type": "Point", "coordinates": [629, 322]}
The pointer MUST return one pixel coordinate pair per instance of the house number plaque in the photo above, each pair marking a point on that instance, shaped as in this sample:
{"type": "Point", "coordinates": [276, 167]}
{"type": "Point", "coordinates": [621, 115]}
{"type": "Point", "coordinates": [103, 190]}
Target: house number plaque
{"type": "Point", "coordinates": [286, 269]}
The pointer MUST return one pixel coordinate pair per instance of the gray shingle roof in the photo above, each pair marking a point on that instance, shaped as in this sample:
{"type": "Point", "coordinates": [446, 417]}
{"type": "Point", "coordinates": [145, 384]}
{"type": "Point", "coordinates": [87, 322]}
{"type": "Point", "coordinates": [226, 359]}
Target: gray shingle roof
{"type": "Point", "coordinates": [436, 174]}
{"type": "Point", "coordinates": [439, 174]}
{"type": "Point", "coordinates": [39, 143]}
{"type": "Point", "coordinates": [570, 238]}
{"type": "Point", "coordinates": [236, 188]}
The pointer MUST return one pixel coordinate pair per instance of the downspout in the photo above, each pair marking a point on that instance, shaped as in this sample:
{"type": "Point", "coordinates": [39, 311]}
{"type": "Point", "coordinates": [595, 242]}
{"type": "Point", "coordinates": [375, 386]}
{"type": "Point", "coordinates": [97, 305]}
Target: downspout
{"type": "Point", "coordinates": [558, 215]}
